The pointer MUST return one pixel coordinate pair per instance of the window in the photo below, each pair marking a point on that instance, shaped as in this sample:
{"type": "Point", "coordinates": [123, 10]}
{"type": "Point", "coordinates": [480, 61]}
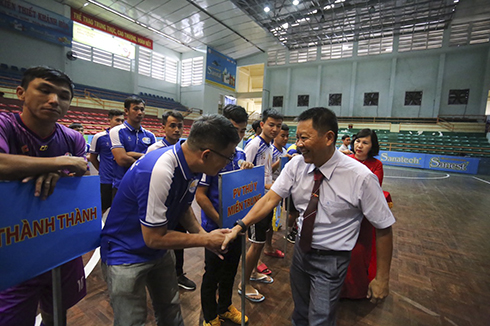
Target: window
{"type": "Point", "coordinates": [88, 53]}
{"type": "Point", "coordinates": [375, 45]}
{"type": "Point", "coordinates": [277, 101]}
{"type": "Point", "coordinates": [458, 96]}
{"type": "Point", "coordinates": [420, 41]}
{"type": "Point", "coordinates": [302, 55]}
{"type": "Point", "coordinates": [413, 98]}
{"type": "Point", "coordinates": [156, 65]}
{"type": "Point", "coordinates": [371, 99]}
{"type": "Point", "coordinates": [336, 51]}
{"type": "Point", "coordinates": [303, 100]}
{"type": "Point", "coordinates": [335, 99]}
{"type": "Point", "coordinates": [276, 57]}
{"type": "Point", "coordinates": [192, 71]}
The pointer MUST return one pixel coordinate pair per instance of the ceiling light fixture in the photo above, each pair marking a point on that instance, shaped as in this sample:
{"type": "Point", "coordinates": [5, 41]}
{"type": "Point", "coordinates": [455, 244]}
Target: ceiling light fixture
{"type": "Point", "coordinates": [295, 2]}
{"type": "Point", "coordinates": [267, 9]}
{"type": "Point", "coordinates": [171, 38]}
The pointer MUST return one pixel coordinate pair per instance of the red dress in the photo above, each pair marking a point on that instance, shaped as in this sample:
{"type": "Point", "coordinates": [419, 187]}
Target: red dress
{"type": "Point", "coordinates": [362, 267]}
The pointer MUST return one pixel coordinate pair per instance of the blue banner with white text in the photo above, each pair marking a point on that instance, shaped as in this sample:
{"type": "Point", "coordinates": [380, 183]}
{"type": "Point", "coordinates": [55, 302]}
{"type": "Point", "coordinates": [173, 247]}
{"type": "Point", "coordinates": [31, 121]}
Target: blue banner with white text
{"type": "Point", "coordinates": [240, 190]}
{"type": "Point", "coordinates": [468, 165]}
{"type": "Point", "coordinates": [37, 235]}
{"type": "Point", "coordinates": [34, 21]}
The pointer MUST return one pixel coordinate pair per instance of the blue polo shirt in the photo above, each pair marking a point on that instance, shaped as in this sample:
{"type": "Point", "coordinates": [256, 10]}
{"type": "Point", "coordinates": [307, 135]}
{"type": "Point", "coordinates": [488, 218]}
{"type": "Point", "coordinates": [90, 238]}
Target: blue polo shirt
{"type": "Point", "coordinates": [155, 192]}
{"type": "Point", "coordinates": [101, 145]}
{"type": "Point", "coordinates": [132, 140]}
{"type": "Point", "coordinates": [213, 191]}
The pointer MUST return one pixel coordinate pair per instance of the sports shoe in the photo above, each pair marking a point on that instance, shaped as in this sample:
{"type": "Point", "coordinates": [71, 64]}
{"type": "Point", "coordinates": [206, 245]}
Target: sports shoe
{"type": "Point", "coordinates": [215, 322]}
{"type": "Point", "coordinates": [234, 315]}
{"type": "Point", "coordinates": [185, 283]}
{"type": "Point", "coordinates": [291, 237]}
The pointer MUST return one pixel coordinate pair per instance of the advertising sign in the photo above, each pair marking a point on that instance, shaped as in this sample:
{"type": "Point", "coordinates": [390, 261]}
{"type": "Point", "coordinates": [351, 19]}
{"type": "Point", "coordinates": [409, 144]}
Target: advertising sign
{"type": "Point", "coordinates": [35, 21]}
{"type": "Point", "coordinates": [220, 70]}
{"type": "Point", "coordinates": [37, 235]}
{"type": "Point", "coordinates": [238, 191]}
{"type": "Point", "coordinates": [448, 163]}
{"type": "Point", "coordinates": [101, 25]}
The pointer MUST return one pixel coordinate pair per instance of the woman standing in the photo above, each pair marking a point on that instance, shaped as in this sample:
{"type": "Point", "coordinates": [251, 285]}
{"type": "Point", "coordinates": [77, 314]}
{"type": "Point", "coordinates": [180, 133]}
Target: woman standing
{"type": "Point", "coordinates": [362, 267]}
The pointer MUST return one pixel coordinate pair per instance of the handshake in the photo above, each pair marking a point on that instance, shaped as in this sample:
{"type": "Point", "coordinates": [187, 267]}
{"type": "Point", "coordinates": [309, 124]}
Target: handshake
{"type": "Point", "coordinates": [218, 240]}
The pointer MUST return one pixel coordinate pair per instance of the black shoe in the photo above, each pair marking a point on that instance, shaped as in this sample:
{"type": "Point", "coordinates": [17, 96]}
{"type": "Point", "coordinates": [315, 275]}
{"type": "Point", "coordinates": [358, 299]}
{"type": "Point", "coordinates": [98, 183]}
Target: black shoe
{"type": "Point", "coordinates": [291, 237]}
{"type": "Point", "coordinates": [185, 283]}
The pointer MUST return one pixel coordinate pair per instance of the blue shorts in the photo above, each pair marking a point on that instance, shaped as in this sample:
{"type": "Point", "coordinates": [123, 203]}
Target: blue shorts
{"type": "Point", "coordinates": [18, 304]}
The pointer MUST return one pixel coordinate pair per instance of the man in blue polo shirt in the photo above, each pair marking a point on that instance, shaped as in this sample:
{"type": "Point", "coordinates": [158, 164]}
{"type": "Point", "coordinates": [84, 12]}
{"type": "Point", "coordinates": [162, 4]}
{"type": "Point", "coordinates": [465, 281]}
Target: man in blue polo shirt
{"type": "Point", "coordinates": [155, 195]}
{"type": "Point", "coordinates": [102, 159]}
{"type": "Point", "coordinates": [129, 140]}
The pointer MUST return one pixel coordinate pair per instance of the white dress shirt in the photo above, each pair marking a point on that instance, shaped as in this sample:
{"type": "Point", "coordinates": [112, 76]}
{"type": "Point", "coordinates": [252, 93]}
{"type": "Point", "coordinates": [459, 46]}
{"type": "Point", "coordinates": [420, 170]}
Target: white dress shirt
{"type": "Point", "coordinates": [348, 192]}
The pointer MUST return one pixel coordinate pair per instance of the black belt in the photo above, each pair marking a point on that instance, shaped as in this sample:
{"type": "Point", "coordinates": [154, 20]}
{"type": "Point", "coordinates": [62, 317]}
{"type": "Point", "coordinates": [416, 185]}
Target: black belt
{"type": "Point", "coordinates": [328, 252]}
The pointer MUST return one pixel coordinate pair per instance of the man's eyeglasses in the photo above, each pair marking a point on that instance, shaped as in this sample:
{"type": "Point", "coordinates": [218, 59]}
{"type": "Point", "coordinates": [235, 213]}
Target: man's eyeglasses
{"type": "Point", "coordinates": [228, 159]}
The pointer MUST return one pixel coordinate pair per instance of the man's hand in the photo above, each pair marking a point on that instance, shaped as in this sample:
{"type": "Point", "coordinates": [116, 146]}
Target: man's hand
{"type": "Point", "coordinates": [378, 291]}
{"type": "Point", "coordinates": [73, 165]}
{"type": "Point", "coordinates": [45, 184]}
{"type": "Point", "coordinates": [216, 238]}
{"type": "Point", "coordinates": [246, 165]}
{"type": "Point", "coordinates": [231, 236]}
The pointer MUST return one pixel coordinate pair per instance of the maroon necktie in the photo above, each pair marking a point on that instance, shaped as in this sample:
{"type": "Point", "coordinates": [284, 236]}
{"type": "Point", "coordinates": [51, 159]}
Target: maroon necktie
{"type": "Point", "coordinates": [310, 214]}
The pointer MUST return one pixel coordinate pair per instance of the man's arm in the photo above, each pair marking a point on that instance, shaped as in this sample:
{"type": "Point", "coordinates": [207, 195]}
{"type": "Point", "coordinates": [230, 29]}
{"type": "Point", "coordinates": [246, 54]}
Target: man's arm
{"type": "Point", "coordinates": [135, 155]}
{"type": "Point", "coordinates": [14, 167]}
{"type": "Point", "coordinates": [122, 158]}
{"type": "Point", "coordinates": [93, 159]}
{"type": "Point", "coordinates": [260, 210]}
{"type": "Point", "coordinates": [205, 203]}
{"type": "Point", "coordinates": [379, 287]}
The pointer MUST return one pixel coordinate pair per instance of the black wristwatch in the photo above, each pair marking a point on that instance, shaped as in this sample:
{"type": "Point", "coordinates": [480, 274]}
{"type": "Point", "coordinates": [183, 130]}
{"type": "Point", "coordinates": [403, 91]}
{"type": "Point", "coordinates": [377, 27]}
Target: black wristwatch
{"type": "Point", "coordinates": [242, 225]}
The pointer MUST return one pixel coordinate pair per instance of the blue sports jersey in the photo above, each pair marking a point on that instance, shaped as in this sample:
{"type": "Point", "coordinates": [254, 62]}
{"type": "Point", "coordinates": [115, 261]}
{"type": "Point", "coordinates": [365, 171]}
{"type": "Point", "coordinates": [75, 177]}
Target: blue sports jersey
{"type": "Point", "coordinates": [132, 140]}
{"type": "Point", "coordinates": [276, 155]}
{"type": "Point", "coordinates": [155, 192]}
{"type": "Point", "coordinates": [101, 145]}
{"type": "Point", "coordinates": [293, 150]}
{"type": "Point", "coordinates": [213, 191]}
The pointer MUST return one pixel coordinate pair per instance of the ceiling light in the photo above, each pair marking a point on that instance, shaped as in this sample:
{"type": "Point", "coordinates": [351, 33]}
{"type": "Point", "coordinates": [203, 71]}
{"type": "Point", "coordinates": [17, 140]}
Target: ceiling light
{"type": "Point", "coordinates": [86, 4]}
{"type": "Point", "coordinates": [267, 9]}
{"type": "Point", "coordinates": [296, 2]}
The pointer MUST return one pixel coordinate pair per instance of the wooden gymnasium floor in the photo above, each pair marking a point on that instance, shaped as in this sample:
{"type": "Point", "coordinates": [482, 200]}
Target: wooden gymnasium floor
{"type": "Point", "coordinates": [440, 273]}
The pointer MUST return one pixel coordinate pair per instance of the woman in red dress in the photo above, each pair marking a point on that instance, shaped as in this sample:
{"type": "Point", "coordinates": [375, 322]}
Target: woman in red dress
{"type": "Point", "coordinates": [362, 267]}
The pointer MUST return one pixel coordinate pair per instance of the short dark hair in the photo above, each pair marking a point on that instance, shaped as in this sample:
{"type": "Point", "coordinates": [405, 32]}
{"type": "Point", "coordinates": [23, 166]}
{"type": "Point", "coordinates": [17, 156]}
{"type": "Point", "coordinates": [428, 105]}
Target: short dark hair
{"type": "Point", "coordinates": [284, 127]}
{"type": "Point", "coordinates": [46, 73]}
{"type": "Point", "coordinates": [133, 99]}
{"type": "Point", "coordinates": [374, 140]}
{"type": "Point", "coordinates": [114, 113]}
{"type": "Point", "coordinates": [212, 131]}
{"type": "Point", "coordinates": [344, 137]}
{"type": "Point", "coordinates": [235, 113]}
{"type": "Point", "coordinates": [176, 114]}
{"type": "Point", "coordinates": [75, 125]}
{"type": "Point", "coordinates": [256, 125]}
{"type": "Point", "coordinates": [271, 113]}
{"type": "Point", "coordinates": [323, 120]}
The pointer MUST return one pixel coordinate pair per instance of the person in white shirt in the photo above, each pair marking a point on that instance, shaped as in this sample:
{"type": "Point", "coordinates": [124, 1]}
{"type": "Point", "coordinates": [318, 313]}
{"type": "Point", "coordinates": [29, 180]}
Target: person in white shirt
{"type": "Point", "coordinates": [344, 148]}
{"type": "Point", "coordinates": [332, 193]}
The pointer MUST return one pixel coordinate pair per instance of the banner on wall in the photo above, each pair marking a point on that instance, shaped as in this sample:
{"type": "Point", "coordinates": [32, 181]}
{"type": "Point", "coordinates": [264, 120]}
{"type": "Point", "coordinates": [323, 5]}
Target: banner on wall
{"type": "Point", "coordinates": [38, 235]}
{"type": "Point", "coordinates": [101, 25]}
{"type": "Point", "coordinates": [36, 22]}
{"type": "Point", "coordinates": [468, 165]}
{"type": "Point", "coordinates": [238, 191]}
{"type": "Point", "coordinates": [220, 70]}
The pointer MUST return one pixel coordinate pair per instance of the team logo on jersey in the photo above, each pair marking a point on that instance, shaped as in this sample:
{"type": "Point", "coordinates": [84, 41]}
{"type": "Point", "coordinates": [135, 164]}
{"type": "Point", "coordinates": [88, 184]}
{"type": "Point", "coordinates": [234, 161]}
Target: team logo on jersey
{"type": "Point", "coordinates": [193, 185]}
{"type": "Point", "coordinates": [43, 148]}
{"type": "Point", "coordinates": [146, 140]}
{"type": "Point", "coordinates": [68, 154]}
{"type": "Point", "coordinates": [24, 149]}
{"type": "Point", "coordinates": [129, 138]}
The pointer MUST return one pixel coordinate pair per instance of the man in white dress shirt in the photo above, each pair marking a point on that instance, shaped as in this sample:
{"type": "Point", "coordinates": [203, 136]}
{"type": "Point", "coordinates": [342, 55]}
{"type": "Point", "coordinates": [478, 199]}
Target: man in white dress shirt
{"type": "Point", "coordinates": [348, 192]}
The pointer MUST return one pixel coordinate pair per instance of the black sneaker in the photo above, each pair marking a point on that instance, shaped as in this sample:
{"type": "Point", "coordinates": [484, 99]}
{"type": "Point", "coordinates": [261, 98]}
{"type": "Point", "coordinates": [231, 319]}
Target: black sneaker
{"type": "Point", "coordinates": [291, 237]}
{"type": "Point", "coordinates": [185, 283]}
